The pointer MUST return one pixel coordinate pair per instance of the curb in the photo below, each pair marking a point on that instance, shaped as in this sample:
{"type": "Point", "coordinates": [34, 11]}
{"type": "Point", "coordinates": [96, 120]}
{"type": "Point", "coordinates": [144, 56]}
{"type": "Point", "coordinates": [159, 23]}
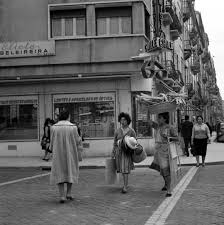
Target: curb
{"type": "Point", "coordinates": [138, 166]}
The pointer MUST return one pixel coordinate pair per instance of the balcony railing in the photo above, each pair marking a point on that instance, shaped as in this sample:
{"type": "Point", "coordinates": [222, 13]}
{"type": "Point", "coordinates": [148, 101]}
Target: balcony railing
{"type": "Point", "coordinates": [195, 67]}
{"type": "Point", "coordinates": [174, 34]}
{"type": "Point", "coordinates": [187, 49]}
{"type": "Point", "coordinates": [186, 11]}
{"type": "Point", "coordinates": [176, 24]}
{"type": "Point", "coordinates": [205, 57]}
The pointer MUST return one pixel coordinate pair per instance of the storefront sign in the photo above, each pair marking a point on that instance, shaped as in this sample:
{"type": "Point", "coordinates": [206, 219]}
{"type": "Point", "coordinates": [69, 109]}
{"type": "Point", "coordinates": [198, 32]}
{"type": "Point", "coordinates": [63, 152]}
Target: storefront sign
{"type": "Point", "coordinates": [19, 100]}
{"type": "Point", "coordinates": [90, 97]}
{"type": "Point", "coordinates": [27, 49]}
{"type": "Point", "coordinates": [157, 44]}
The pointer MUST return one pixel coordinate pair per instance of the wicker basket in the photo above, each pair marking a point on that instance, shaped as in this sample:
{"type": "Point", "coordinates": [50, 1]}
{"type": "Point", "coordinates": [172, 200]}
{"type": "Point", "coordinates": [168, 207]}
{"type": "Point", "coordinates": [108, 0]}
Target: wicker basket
{"type": "Point", "coordinates": [162, 107]}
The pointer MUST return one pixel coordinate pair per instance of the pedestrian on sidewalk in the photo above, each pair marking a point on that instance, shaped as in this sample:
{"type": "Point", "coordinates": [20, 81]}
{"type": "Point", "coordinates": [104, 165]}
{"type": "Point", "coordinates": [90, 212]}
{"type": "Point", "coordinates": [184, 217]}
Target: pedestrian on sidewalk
{"type": "Point", "coordinates": [45, 141]}
{"type": "Point", "coordinates": [65, 143]}
{"type": "Point", "coordinates": [186, 132]}
{"type": "Point", "coordinates": [200, 138]}
{"type": "Point", "coordinates": [161, 157]}
{"type": "Point", "coordinates": [124, 162]}
{"type": "Point", "coordinates": [209, 127]}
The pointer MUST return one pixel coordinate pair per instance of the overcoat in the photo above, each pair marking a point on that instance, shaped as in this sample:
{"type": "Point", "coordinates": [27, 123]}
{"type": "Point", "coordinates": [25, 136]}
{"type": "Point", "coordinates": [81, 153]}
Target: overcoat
{"type": "Point", "coordinates": [65, 143]}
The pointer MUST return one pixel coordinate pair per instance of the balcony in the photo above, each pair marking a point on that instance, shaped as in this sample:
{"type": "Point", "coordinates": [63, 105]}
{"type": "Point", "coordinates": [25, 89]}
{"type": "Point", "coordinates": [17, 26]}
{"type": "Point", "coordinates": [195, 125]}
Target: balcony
{"type": "Point", "coordinates": [187, 49]}
{"type": "Point", "coordinates": [166, 18]}
{"type": "Point", "coordinates": [195, 68]}
{"type": "Point", "coordinates": [176, 24]}
{"type": "Point", "coordinates": [186, 11]}
{"type": "Point", "coordinates": [174, 35]}
{"type": "Point", "coordinates": [193, 33]}
{"type": "Point", "coordinates": [204, 79]}
{"type": "Point", "coordinates": [205, 57]}
{"type": "Point", "coordinates": [208, 69]}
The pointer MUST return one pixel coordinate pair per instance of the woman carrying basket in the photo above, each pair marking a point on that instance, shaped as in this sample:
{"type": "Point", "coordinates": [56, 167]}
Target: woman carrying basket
{"type": "Point", "coordinates": [161, 157]}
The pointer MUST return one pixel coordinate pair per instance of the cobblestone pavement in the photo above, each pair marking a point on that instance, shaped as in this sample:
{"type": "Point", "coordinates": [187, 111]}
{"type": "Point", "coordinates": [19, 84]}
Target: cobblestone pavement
{"type": "Point", "coordinates": [10, 174]}
{"type": "Point", "coordinates": [35, 202]}
{"type": "Point", "coordinates": [202, 201]}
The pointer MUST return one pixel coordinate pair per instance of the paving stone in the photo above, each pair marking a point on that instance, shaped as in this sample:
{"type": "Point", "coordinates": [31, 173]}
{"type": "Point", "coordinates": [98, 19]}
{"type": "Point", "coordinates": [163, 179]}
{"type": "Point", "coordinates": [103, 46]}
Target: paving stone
{"type": "Point", "coordinates": [202, 201]}
{"type": "Point", "coordinates": [35, 202]}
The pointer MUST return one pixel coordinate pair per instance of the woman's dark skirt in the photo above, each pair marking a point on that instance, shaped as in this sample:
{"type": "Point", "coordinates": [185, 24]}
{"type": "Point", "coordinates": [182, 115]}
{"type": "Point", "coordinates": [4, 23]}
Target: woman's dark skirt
{"type": "Point", "coordinates": [200, 146]}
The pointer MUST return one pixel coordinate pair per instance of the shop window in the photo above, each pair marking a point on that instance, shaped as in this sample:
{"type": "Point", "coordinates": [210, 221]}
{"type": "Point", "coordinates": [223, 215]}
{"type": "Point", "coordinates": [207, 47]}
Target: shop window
{"type": "Point", "coordinates": [93, 112]}
{"type": "Point", "coordinates": [141, 119]}
{"type": "Point", "coordinates": [112, 21]}
{"type": "Point", "coordinates": [18, 118]}
{"type": "Point", "coordinates": [68, 23]}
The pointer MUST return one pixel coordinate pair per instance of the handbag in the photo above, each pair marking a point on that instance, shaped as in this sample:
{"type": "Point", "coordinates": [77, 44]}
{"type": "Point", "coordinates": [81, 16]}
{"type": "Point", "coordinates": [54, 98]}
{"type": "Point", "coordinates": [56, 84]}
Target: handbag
{"type": "Point", "coordinates": [43, 142]}
{"type": "Point", "coordinates": [139, 154]}
{"type": "Point", "coordinates": [111, 175]}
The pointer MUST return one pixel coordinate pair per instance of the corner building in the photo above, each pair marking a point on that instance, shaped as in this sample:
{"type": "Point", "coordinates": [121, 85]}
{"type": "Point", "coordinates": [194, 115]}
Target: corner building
{"type": "Point", "coordinates": [74, 54]}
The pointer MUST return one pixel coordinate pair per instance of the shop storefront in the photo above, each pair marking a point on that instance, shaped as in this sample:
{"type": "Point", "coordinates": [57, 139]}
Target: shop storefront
{"type": "Point", "coordinates": [94, 105]}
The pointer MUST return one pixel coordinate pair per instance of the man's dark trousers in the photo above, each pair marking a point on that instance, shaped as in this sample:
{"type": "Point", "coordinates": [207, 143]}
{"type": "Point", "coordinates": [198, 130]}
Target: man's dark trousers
{"type": "Point", "coordinates": [187, 141]}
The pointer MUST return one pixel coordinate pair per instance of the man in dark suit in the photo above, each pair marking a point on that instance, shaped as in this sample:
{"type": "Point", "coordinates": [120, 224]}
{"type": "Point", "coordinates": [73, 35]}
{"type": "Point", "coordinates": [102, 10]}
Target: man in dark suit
{"type": "Point", "coordinates": [186, 132]}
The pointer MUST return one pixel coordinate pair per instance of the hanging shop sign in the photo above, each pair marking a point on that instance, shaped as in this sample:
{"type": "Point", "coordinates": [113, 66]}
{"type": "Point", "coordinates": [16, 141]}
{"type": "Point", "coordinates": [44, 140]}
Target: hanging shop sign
{"type": "Point", "coordinates": [27, 49]}
{"type": "Point", "coordinates": [19, 100]}
{"type": "Point", "coordinates": [158, 44]}
{"type": "Point", "coordinates": [88, 97]}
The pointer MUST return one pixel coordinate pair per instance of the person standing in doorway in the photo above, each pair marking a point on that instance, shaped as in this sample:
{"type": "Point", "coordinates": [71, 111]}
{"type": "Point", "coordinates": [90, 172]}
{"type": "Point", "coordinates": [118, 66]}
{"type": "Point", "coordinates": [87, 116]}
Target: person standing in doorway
{"type": "Point", "coordinates": [65, 144]}
{"type": "Point", "coordinates": [124, 162]}
{"type": "Point", "coordinates": [186, 132]}
{"type": "Point", "coordinates": [200, 138]}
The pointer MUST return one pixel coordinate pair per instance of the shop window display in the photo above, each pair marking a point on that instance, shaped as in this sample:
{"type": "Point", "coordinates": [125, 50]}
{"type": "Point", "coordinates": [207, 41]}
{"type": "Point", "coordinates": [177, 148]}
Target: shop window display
{"type": "Point", "coordinates": [141, 119]}
{"type": "Point", "coordinates": [95, 118]}
{"type": "Point", "coordinates": [18, 119]}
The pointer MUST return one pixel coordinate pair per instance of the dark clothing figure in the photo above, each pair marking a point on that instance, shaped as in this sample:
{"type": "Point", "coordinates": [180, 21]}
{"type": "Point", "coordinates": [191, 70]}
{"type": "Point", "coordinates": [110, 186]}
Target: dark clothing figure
{"type": "Point", "coordinates": [186, 132]}
{"type": "Point", "coordinates": [209, 127]}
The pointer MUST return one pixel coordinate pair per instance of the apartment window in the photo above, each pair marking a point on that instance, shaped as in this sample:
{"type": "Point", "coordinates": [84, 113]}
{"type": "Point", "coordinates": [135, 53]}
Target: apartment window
{"type": "Point", "coordinates": [18, 118]}
{"type": "Point", "coordinates": [68, 23]}
{"type": "Point", "coordinates": [112, 21]}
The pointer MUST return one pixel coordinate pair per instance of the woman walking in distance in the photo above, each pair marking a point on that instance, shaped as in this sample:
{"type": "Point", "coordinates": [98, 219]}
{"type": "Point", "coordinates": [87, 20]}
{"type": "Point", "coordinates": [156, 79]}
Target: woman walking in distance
{"type": "Point", "coordinates": [65, 143]}
{"type": "Point", "coordinates": [200, 139]}
{"type": "Point", "coordinates": [161, 157]}
{"type": "Point", "coordinates": [123, 158]}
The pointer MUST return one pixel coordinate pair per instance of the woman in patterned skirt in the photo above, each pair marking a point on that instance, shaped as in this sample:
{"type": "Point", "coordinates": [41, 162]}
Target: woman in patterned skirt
{"type": "Point", "coordinates": [123, 158]}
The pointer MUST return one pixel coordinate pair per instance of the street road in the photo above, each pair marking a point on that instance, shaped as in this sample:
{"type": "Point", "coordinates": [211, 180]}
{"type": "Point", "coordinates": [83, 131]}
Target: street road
{"type": "Point", "coordinates": [35, 202]}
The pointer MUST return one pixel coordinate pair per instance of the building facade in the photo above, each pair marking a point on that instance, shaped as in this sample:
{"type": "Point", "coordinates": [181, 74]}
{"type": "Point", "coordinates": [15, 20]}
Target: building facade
{"type": "Point", "coordinates": [59, 54]}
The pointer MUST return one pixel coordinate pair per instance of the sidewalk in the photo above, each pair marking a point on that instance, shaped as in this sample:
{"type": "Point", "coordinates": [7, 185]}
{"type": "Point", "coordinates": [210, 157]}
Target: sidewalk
{"type": "Point", "coordinates": [215, 155]}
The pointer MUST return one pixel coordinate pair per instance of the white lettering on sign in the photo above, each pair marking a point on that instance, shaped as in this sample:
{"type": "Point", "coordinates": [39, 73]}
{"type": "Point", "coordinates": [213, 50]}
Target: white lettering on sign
{"type": "Point", "coordinates": [27, 49]}
{"type": "Point", "coordinates": [93, 97]}
{"type": "Point", "coordinates": [158, 43]}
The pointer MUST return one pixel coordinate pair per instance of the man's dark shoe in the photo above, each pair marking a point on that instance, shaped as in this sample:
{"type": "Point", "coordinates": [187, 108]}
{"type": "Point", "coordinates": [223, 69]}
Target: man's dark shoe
{"type": "Point", "coordinates": [164, 188]}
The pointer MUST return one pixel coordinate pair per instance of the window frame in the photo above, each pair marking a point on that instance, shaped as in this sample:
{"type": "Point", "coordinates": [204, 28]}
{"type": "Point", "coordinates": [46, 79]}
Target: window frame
{"type": "Point", "coordinates": [113, 93]}
{"type": "Point", "coordinates": [74, 27]}
{"type": "Point", "coordinates": [120, 33]}
{"type": "Point", "coordinates": [38, 119]}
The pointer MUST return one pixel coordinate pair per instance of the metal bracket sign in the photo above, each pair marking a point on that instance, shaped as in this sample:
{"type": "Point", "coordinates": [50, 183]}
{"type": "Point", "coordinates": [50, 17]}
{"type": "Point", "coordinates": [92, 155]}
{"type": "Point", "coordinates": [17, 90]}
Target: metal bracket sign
{"type": "Point", "coordinates": [158, 44]}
